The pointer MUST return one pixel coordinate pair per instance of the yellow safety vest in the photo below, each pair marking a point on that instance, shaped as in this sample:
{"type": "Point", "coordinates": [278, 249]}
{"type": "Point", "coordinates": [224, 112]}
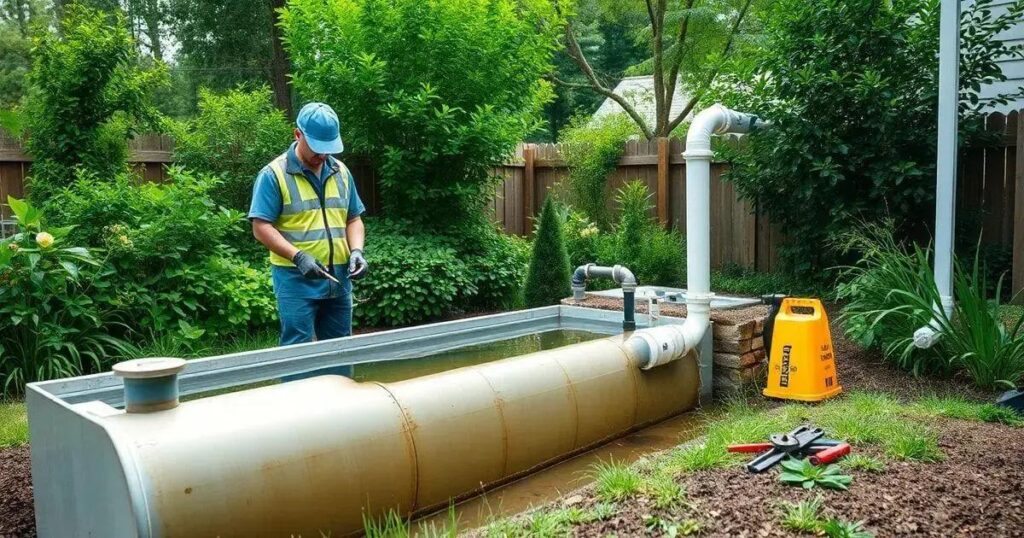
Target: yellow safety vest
{"type": "Point", "coordinates": [316, 228]}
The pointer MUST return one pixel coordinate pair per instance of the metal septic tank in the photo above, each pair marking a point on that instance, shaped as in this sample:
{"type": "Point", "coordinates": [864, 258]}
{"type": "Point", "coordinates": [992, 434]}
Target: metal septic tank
{"type": "Point", "coordinates": [312, 457]}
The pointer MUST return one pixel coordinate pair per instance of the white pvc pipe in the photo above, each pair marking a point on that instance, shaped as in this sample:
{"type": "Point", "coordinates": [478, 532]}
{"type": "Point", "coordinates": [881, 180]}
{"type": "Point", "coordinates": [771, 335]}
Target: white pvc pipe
{"type": "Point", "coordinates": [667, 343]}
{"type": "Point", "coordinates": [945, 169]}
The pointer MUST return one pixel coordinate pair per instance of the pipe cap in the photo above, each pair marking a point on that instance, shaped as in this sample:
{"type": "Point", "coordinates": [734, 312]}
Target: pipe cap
{"type": "Point", "coordinates": [149, 368]}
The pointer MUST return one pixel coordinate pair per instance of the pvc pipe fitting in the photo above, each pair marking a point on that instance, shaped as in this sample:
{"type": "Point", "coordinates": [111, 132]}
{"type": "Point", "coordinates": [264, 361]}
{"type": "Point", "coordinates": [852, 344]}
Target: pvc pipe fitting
{"type": "Point", "coordinates": [150, 384]}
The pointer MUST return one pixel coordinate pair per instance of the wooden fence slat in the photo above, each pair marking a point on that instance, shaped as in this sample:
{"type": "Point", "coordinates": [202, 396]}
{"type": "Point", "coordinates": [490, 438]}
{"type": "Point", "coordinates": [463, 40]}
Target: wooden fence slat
{"type": "Point", "coordinates": [662, 185]}
{"type": "Point", "coordinates": [1018, 224]}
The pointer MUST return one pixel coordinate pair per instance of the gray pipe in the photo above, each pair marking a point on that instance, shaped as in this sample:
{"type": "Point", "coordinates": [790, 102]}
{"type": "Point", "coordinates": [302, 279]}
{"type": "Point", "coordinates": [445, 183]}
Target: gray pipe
{"type": "Point", "coordinates": [621, 276]}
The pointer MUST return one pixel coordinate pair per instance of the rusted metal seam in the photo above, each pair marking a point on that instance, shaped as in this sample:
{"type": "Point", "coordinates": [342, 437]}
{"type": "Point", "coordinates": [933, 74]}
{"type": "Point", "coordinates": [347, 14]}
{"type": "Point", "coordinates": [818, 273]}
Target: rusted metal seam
{"type": "Point", "coordinates": [412, 443]}
{"type": "Point", "coordinates": [499, 404]}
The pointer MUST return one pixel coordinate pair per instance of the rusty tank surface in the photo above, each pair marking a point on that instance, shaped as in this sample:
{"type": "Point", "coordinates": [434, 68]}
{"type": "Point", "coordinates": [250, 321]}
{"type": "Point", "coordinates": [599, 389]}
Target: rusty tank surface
{"type": "Point", "coordinates": [313, 457]}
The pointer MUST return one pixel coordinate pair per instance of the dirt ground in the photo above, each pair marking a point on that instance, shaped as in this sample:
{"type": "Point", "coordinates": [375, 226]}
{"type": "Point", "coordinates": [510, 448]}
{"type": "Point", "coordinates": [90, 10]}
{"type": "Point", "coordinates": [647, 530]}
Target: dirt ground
{"type": "Point", "coordinates": [16, 513]}
{"type": "Point", "coordinates": [977, 491]}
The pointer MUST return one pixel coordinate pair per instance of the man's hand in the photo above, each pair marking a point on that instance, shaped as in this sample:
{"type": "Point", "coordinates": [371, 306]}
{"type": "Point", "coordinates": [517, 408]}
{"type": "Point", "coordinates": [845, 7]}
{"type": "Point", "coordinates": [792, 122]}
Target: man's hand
{"type": "Point", "coordinates": [357, 265]}
{"type": "Point", "coordinates": [309, 266]}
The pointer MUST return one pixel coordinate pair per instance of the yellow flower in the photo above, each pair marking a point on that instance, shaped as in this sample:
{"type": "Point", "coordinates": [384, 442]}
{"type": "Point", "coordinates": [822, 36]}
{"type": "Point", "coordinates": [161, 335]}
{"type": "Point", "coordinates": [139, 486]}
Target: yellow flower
{"type": "Point", "coordinates": [44, 239]}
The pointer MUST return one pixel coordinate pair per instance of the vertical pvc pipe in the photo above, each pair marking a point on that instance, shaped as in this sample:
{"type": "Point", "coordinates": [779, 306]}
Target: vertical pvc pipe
{"type": "Point", "coordinates": [698, 222]}
{"type": "Point", "coordinates": [945, 169]}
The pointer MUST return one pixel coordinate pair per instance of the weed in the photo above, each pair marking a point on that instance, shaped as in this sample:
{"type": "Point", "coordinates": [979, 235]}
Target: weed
{"type": "Point", "coordinates": [914, 446]}
{"type": "Point", "coordinates": [808, 475]}
{"type": "Point", "coordinates": [549, 523]}
{"type": "Point", "coordinates": [861, 462]}
{"type": "Point", "coordinates": [616, 481]}
{"type": "Point", "coordinates": [835, 528]}
{"type": "Point", "coordinates": [804, 516]}
{"type": "Point", "coordinates": [394, 525]}
{"type": "Point", "coordinates": [669, 528]}
{"type": "Point", "coordinates": [13, 424]}
{"type": "Point", "coordinates": [663, 490]}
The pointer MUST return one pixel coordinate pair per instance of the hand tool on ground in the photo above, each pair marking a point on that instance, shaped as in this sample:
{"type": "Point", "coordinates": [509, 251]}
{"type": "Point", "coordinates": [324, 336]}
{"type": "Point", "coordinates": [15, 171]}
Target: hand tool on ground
{"type": "Point", "coordinates": [830, 454]}
{"type": "Point", "coordinates": [785, 444]}
{"type": "Point", "coordinates": [757, 448]}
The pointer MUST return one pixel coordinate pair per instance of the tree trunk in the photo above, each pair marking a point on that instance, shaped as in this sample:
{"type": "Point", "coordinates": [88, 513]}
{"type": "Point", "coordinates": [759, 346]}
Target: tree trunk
{"type": "Point", "coordinates": [151, 16]}
{"type": "Point", "coordinates": [279, 65]}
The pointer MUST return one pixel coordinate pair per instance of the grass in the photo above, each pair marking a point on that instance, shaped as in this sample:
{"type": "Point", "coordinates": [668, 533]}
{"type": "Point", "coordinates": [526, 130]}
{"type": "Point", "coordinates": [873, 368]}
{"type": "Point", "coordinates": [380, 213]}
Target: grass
{"type": "Point", "coordinates": [663, 490]}
{"type": "Point", "coordinates": [616, 481]}
{"type": "Point", "coordinates": [804, 516]}
{"type": "Point", "coordinates": [862, 462]}
{"type": "Point", "coordinates": [961, 408]}
{"type": "Point", "coordinates": [13, 424]}
{"type": "Point", "coordinates": [394, 525]}
{"type": "Point", "coordinates": [549, 523]}
{"type": "Point", "coordinates": [743, 281]}
{"type": "Point", "coordinates": [173, 345]}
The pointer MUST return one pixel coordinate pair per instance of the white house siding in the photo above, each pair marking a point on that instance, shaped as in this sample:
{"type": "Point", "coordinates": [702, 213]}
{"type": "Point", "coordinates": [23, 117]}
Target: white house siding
{"type": "Point", "coordinates": [639, 92]}
{"type": "Point", "coordinates": [1013, 69]}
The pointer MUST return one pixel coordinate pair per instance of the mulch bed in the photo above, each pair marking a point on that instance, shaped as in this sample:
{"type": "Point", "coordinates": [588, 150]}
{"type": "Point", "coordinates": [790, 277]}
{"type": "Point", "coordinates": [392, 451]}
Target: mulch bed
{"type": "Point", "coordinates": [17, 518]}
{"type": "Point", "coordinates": [977, 491]}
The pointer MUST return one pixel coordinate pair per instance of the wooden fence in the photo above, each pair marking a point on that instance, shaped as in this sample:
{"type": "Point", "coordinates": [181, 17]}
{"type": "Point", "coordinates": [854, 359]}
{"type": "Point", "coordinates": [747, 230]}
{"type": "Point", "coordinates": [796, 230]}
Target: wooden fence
{"type": "Point", "coordinates": [739, 235]}
{"type": "Point", "coordinates": [989, 179]}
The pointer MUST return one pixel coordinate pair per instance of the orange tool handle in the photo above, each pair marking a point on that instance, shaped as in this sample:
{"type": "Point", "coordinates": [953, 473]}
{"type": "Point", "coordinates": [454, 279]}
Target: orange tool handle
{"type": "Point", "coordinates": [752, 448]}
{"type": "Point", "coordinates": [830, 454]}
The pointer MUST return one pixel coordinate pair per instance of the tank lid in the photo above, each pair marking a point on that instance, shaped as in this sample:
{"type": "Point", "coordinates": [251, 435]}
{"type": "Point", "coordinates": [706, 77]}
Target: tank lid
{"type": "Point", "coordinates": [149, 368]}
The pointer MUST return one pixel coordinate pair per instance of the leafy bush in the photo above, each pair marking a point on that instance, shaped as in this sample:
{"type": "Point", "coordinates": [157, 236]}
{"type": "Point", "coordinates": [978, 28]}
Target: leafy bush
{"type": "Point", "coordinates": [582, 237]}
{"type": "Point", "coordinates": [169, 247]}
{"type": "Point", "coordinates": [548, 281]}
{"type": "Point", "coordinates": [87, 96]}
{"type": "Point", "coordinates": [851, 89]}
{"type": "Point", "coordinates": [418, 276]}
{"type": "Point", "coordinates": [434, 128]}
{"type": "Point", "coordinates": [415, 277]}
{"type": "Point", "coordinates": [733, 278]}
{"type": "Point", "coordinates": [50, 323]}
{"type": "Point", "coordinates": [654, 255]}
{"type": "Point", "coordinates": [893, 294]}
{"type": "Point", "coordinates": [591, 149]}
{"type": "Point", "coordinates": [234, 135]}
{"type": "Point", "coordinates": [885, 275]}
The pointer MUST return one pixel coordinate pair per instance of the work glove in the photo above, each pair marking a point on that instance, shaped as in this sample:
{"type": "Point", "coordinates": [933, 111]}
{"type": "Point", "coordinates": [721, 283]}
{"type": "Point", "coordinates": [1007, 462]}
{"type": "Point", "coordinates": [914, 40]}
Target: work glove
{"type": "Point", "coordinates": [357, 265]}
{"type": "Point", "coordinates": [309, 266]}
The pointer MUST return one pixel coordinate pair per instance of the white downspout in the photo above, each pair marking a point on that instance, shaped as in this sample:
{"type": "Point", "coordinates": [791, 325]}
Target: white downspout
{"type": "Point", "coordinates": [945, 169]}
{"type": "Point", "coordinates": [667, 343]}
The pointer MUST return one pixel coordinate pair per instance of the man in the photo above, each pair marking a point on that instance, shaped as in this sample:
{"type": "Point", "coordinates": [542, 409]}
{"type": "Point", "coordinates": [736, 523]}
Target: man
{"type": "Point", "coordinates": [306, 211]}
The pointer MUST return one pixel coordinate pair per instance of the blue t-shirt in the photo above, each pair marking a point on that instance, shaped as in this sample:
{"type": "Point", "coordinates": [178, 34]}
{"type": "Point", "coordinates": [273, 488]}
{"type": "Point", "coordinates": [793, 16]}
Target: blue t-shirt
{"type": "Point", "coordinates": [267, 204]}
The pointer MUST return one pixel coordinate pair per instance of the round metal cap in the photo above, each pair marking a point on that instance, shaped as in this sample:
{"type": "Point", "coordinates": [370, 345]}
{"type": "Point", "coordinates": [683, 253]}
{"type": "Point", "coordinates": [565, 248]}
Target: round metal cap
{"type": "Point", "coordinates": [149, 368]}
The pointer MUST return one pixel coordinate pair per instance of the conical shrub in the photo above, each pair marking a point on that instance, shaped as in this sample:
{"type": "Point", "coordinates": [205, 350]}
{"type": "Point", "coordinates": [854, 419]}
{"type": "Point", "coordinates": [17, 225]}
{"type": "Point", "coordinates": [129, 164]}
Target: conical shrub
{"type": "Point", "coordinates": [549, 278]}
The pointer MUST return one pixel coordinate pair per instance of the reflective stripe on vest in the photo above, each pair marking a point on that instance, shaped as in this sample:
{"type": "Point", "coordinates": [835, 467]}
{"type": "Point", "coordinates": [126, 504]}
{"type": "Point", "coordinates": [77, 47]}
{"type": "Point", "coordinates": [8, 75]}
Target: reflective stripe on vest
{"type": "Point", "coordinates": [302, 219]}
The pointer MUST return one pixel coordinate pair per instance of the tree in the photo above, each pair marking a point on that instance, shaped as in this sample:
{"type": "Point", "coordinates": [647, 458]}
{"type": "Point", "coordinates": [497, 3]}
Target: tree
{"type": "Point", "coordinates": [436, 92]}
{"type": "Point", "coordinates": [850, 86]}
{"type": "Point", "coordinates": [548, 279]}
{"type": "Point", "coordinates": [689, 41]}
{"type": "Point", "coordinates": [224, 44]}
{"type": "Point", "coordinates": [87, 96]}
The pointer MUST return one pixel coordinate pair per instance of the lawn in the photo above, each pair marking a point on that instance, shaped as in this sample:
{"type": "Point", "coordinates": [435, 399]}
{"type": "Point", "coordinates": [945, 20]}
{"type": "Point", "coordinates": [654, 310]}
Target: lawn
{"type": "Point", "coordinates": [13, 424]}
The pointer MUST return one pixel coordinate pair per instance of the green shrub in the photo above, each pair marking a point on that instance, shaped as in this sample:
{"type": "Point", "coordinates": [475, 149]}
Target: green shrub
{"type": "Point", "coordinates": [640, 243]}
{"type": "Point", "coordinates": [169, 245]}
{"type": "Point", "coordinates": [734, 278]}
{"type": "Point", "coordinates": [51, 322]}
{"type": "Point", "coordinates": [549, 279]}
{"type": "Point", "coordinates": [582, 237]}
{"type": "Point", "coordinates": [851, 89]}
{"type": "Point", "coordinates": [234, 135]}
{"type": "Point", "coordinates": [892, 293]}
{"type": "Point", "coordinates": [87, 95]}
{"type": "Point", "coordinates": [496, 264]}
{"type": "Point", "coordinates": [591, 149]}
{"type": "Point", "coordinates": [885, 275]}
{"type": "Point", "coordinates": [415, 277]}
{"type": "Point", "coordinates": [435, 128]}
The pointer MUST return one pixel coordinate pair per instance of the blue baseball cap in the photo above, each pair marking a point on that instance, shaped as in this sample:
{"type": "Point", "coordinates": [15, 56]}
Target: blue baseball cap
{"type": "Point", "coordinates": [319, 124]}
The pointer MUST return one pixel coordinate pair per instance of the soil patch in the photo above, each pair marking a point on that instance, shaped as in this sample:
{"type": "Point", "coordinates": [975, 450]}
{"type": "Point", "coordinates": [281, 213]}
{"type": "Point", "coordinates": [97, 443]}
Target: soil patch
{"type": "Point", "coordinates": [17, 518]}
{"type": "Point", "coordinates": [976, 491]}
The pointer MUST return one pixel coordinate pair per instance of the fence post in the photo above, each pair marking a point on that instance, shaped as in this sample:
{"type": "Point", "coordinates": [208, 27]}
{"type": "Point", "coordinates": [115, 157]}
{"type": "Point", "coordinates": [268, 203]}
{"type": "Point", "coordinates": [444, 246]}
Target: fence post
{"type": "Point", "coordinates": [663, 161]}
{"type": "Point", "coordinates": [529, 183]}
{"type": "Point", "coordinates": [1018, 222]}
